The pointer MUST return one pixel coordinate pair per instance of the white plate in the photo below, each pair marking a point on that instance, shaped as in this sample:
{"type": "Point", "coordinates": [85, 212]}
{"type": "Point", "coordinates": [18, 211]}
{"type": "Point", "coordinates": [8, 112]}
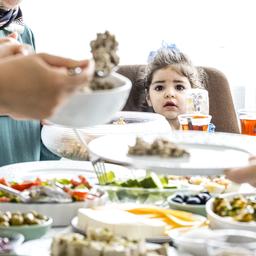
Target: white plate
{"type": "Point", "coordinates": [55, 169]}
{"type": "Point", "coordinates": [63, 142]}
{"type": "Point", "coordinates": [61, 213]}
{"type": "Point", "coordinates": [210, 154]}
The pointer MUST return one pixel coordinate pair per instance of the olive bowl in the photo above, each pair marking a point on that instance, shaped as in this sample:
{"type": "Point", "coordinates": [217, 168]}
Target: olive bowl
{"type": "Point", "coordinates": [30, 232]}
{"type": "Point", "coordinates": [183, 206]}
{"type": "Point", "coordinates": [218, 222]}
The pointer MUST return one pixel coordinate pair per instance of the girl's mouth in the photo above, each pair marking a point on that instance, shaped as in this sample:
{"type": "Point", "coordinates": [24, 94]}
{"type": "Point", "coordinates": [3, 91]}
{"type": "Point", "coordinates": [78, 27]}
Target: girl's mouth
{"type": "Point", "coordinates": [169, 104]}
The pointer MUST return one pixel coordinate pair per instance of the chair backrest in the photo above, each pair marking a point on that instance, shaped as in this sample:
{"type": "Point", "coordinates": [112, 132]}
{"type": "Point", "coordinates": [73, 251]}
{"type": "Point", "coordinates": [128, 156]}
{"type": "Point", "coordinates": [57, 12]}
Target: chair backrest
{"type": "Point", "coordinates": [220, 98]}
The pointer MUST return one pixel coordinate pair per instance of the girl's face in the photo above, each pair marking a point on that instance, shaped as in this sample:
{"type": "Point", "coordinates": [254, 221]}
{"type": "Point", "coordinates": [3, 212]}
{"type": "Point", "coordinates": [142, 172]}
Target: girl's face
{"type": "Point", "coordinates": [9, 4]}
{"type": "Point", "coordinates": [167, 93]}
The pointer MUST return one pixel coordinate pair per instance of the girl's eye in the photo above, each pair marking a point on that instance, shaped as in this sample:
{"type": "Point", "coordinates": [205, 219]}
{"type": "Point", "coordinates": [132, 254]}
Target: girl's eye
{"type": "Point", "coordinates": [180, 87]}
{"type": "Point", "coordinates": [159, 88]}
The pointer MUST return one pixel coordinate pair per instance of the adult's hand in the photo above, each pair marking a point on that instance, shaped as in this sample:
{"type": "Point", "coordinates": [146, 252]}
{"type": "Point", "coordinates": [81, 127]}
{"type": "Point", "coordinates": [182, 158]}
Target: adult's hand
{"type": "Point", "coordinates": [10, 46]}
{"type": "Point", "coordinates": [244, 175]}
{"type": "Point", "coordinates": [33, 86]}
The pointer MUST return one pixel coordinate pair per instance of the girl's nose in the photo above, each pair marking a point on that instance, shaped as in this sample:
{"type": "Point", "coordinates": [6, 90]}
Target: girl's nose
{"type": "Point", "coordinates": [170, 93]}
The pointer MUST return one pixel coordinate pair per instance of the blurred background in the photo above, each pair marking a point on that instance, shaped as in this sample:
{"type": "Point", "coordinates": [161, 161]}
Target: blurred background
{"type": "Point", "coordinates": [214, 33]}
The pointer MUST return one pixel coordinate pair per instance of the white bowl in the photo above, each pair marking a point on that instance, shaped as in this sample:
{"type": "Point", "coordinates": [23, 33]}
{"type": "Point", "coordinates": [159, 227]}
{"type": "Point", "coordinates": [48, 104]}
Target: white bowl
{"type": "Point", "coordinates": [92, 108]}
{"type": "Point", "coordinates": [218, 222]}
{"type": "Point", "coordinates": [191, 240]}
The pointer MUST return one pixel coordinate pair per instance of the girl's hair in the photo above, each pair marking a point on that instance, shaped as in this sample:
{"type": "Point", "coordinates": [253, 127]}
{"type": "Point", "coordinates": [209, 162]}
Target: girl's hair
{"type": "Point", "coordinates": [179, 62]}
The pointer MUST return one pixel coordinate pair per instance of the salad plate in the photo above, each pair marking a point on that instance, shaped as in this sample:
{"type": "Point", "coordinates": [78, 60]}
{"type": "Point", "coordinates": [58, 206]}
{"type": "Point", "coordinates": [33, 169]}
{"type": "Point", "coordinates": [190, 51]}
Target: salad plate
{"type": "Point", "coordinates": [22, 172]}
{"type": "Point", "coordinates": [209, 154]}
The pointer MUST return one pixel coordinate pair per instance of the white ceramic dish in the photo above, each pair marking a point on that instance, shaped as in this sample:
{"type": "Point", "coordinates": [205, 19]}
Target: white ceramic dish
{"type": "Point", "coordinates": [210, 154]}
{"type": "Point", "coordinates": [63, 142]}
{"type": "Point", "coordinates": [196, 245]}
{"type": "Point", "coordinates": [218, 222]}
{"type": "Point", "coordinates": [61, 213]}
{"type": "Point", "coordinates": [197, 241]}
{"type": "Point", "coordinates": [98, 107]}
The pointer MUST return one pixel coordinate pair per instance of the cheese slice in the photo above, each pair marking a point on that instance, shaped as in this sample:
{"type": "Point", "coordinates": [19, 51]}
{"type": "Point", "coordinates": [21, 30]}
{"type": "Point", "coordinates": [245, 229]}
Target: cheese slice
{"type": "Point", "coordinates": [120, 223]}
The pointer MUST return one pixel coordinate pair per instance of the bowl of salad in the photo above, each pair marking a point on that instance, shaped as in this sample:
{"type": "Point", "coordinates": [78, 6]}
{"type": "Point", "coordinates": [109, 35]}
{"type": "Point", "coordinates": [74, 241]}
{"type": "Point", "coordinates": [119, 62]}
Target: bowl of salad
{"type": "Point", "coordinates": [50, 197]}
{"type": "Point", "coordinates": [232, 211]}
{"type": "Point", "coordinates": [147, 189]}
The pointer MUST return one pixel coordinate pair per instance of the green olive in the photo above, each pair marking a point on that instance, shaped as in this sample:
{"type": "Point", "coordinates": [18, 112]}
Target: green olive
{"type": "Point", "coordinates": [3, 218]}
{"type": "Point", "coordinates": [8, 214]}
{"type": "Point", "coordinates": [4, 224]}
{"type": "Point", "coordinates": [36, 222]}
{"type": "Point", "coordinates": [16, 220]}
{"type": "Point", "coordinates": [28, 218]}
{"type": "Point", "coordinates": [41, 216]}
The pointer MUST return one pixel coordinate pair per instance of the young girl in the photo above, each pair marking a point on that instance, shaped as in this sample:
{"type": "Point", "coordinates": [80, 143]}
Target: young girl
{"type": "Point", "coordinates": [19, 140]}
{"type": "Point", "coordinates": [168, 75]}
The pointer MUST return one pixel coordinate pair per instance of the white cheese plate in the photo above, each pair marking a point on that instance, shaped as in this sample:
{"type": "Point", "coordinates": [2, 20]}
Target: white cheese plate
{"type": "Point", "coordinates": [210, 153]}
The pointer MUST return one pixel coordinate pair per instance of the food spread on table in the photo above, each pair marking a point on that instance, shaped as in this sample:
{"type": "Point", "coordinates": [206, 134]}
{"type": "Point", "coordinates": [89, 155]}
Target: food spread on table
{"type": "Point", "coordinates": [102, 242]}
{"type": "Point", "coordinates": [159, 147]}
{"type": "Point", "coordinates": [240, 208]}
{"type": "Point", "coordinates": [18, 219]}
{"type": "Point", "coordinates": [48, 190]}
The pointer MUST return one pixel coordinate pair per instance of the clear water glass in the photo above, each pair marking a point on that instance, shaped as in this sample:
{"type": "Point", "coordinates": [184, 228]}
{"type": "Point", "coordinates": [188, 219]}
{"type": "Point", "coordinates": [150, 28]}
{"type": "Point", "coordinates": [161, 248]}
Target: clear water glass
{"type": "Point", "coordinates": [197, 101]}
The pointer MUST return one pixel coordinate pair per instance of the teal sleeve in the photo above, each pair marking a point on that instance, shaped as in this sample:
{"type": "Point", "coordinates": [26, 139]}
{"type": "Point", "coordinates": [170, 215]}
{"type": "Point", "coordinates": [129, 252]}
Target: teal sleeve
{"type": "Point", "coordinates": [19, 141]}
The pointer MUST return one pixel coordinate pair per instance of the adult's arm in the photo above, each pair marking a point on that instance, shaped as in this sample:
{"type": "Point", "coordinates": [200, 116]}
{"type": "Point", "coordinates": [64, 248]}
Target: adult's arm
{"type": "Point", "coordinates": [33, 86]}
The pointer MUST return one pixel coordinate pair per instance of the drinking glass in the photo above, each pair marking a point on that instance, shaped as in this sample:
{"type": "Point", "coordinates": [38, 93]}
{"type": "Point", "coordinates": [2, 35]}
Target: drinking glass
{"type": "Point", "coordinates": [197, 101]}
{"type": "Point", "coordinates": [194, 122]}
{"type": "Point", "coordinates": [248, 121]}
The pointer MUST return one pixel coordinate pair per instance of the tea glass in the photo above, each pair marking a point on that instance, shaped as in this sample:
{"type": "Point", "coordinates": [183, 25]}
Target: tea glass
{"type": "Point", "coordinates": [197, 101]}
{"type": "Point", "coordinates": [247, 121]}
{"type": "Point", "coordinates": [233, 243]}
{"type": "Point", "coordinates": [194, 122]}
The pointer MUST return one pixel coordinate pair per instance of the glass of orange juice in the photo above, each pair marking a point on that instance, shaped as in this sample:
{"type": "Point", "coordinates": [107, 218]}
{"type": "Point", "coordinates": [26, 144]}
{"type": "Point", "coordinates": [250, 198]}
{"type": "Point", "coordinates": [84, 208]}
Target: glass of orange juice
{"type": "Point", "coordinates": [247, 121]}
{"type": "Point", "coordinates": [194, 122]}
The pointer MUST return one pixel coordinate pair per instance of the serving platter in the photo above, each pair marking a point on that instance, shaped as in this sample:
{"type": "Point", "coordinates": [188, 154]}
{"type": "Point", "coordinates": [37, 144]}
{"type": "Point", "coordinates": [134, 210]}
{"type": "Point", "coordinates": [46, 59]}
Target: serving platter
{"type": "Point", "coordinates": [62, 213]}
{"type": "Point", "coordinates": [210, 154]}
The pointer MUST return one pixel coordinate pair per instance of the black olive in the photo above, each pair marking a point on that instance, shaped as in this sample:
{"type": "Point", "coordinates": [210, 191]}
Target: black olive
{"type": "Point", "coordinates": [177, 200]}
{"type": "Point", "coordinates": [193, 200]}
{"type": "Point", "coordinates": [203, 197]}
